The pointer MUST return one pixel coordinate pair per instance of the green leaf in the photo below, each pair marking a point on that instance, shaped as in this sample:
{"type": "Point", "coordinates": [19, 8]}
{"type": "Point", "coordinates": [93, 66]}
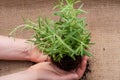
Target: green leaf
{"type": "Point", "coordinates": [82, 50]}
{"type": "Point", "coordinates": [88, 53]}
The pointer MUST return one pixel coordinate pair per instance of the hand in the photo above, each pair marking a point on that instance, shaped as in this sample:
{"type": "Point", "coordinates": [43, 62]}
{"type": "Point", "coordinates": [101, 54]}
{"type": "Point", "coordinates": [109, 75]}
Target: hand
{"type": "Point", "coordinates": [36, 56]}
{"type": "Point", "coordinates": [48, 71]}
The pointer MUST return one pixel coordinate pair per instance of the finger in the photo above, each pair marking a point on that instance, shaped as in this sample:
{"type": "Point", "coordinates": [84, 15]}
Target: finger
{"type": "Point", "coordinates": [85, 58]}
{"type": "Point", "coordinates": [84, 62]}
{"type": "Point", "coordinates": [82, 67]}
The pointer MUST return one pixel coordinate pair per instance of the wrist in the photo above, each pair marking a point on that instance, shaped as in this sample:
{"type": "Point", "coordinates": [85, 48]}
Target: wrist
{"type": "Point", "coordinates": [23, 75]}
{"type": "Point", "coordinates": [28, 52]}
{"type": "Point", "coordinates": [33, 54]}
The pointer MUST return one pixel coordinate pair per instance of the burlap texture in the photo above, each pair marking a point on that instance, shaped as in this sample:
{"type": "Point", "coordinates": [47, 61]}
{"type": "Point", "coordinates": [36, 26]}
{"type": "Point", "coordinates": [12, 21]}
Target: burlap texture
{"type": "Point", "coordinates": [103, 19]}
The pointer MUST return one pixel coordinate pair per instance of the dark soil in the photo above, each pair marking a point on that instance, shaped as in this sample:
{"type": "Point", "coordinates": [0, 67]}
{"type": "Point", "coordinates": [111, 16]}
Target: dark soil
{"type": "Point", "coordinates": [67, 63]}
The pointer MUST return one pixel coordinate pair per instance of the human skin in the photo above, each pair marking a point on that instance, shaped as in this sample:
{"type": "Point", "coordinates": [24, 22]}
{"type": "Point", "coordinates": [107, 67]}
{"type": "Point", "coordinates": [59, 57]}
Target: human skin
{"type": "Point", "coordinates": [18, 49]}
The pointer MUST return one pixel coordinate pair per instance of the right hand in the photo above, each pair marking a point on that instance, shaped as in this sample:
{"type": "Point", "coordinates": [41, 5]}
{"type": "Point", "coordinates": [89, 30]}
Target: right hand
{"type": "Point", "coordinates": [48, 71]}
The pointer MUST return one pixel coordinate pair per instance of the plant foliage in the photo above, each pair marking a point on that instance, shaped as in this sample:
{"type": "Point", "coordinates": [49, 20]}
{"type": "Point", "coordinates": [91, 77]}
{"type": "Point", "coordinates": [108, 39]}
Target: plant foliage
{"type": "Point", "coordinates": [66, 36]}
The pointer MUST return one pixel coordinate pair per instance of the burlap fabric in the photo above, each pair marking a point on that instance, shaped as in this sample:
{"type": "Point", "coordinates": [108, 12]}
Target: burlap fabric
{"type": "Point", "coordinates": [103, 19]}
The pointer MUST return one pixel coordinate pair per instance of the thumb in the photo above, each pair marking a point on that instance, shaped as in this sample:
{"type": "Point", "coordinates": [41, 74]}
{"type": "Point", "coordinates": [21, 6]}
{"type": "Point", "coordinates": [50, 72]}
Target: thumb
{"type": "Point", "coordinates": [81, 69]}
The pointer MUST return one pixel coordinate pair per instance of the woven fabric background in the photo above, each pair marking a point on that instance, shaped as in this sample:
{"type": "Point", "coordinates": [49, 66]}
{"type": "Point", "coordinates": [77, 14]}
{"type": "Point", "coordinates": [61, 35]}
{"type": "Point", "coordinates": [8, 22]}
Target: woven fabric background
{"type": "Point", "coordinates": [103, 19]}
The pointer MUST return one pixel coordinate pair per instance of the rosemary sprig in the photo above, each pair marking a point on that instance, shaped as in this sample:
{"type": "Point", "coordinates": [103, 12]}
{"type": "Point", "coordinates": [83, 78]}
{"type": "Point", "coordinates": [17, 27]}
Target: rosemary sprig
{"type": "Point", "coordinates": [66, 36]}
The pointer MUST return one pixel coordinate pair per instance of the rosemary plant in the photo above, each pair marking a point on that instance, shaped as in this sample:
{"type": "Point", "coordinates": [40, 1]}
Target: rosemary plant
{"type": "Point", "coordinates": [66, 36]}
